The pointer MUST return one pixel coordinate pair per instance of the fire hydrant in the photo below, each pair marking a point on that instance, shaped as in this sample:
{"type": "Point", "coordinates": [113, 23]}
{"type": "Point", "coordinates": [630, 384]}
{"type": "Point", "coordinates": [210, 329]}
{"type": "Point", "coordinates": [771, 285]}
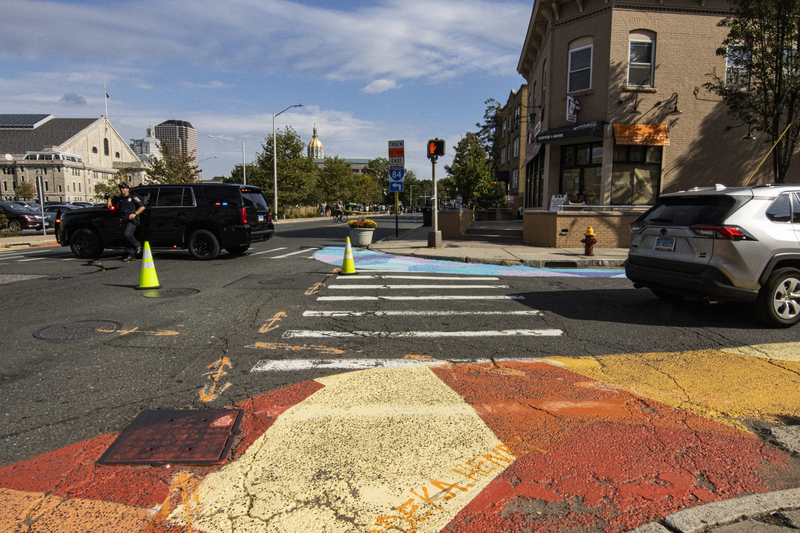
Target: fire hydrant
{"type": "Point", "coordinates": [589, 241]}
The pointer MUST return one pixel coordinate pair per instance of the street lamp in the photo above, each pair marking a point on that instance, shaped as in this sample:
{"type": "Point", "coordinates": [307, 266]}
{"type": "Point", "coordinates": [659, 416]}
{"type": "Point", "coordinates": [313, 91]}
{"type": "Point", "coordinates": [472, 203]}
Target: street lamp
{"type": "Point", "coordinates": [206, 159]}
{"type": "Point", "coordinates": [244, 173]}
{"type": "Point", "coordinates": [275, 161]}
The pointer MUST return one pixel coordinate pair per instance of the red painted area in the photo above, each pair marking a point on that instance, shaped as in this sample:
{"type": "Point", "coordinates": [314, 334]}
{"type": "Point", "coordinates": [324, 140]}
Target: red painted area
{"type": "Point", "coordinates": [598, 457]}
{"type": "Point", "coordinates": [70, 472]}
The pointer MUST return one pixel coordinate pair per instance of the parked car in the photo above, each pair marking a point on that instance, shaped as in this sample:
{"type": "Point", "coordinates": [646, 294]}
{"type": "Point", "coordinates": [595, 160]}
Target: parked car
{"type": "Point", "coordinates": [82, 204]}
{"type": "Point", "coordinates": [200, 217]}
{"type": "Point", "coordinates": [723, 244]}
{"type": "Point", "coordinates": [19, 217]}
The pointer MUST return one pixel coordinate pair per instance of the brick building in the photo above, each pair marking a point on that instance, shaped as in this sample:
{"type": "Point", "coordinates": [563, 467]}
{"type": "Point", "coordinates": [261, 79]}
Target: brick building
{"type": "Point", "coordinates": [511, 133]}
{"type": "Point", "coordinates": [615, 106]}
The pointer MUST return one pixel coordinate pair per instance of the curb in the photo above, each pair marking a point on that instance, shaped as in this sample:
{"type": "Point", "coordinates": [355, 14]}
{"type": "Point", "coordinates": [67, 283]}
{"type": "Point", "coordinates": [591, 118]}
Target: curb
{"type": "Point", "coordinates": [711, 515]}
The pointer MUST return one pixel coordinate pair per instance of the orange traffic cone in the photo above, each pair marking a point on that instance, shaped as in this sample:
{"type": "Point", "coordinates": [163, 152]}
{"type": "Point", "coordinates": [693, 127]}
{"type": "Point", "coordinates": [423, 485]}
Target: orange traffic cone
{"type": "Point", "coordinates": [148, 278]}
{"type": "Point", "coordinates": [348, 266]}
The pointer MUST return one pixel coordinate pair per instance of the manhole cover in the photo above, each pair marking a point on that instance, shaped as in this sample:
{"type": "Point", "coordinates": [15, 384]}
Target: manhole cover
{"type": "Point", "coordinates": [169, 293]}
{"type": "Point", "coordinates": [77, 330]}
{"type": "Point", "coordinates": [199, 437]}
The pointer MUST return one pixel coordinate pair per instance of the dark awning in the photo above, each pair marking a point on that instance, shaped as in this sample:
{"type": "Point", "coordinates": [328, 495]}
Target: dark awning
{"type": "Point", "coordinates": [590, 132]}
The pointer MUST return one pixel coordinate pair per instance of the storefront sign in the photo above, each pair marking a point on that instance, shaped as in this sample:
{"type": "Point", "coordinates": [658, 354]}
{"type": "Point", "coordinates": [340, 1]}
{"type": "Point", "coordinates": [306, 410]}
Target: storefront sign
{"type": "Point", "coordinates": [573, 106]}
{"type": "Point", "coordinates": [647, 134]}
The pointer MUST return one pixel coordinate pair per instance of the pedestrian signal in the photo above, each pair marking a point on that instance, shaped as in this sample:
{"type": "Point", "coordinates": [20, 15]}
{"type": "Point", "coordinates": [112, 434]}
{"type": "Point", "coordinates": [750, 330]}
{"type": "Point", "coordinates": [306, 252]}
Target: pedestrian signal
{"type": "Point", "coordinates": [435, 148]}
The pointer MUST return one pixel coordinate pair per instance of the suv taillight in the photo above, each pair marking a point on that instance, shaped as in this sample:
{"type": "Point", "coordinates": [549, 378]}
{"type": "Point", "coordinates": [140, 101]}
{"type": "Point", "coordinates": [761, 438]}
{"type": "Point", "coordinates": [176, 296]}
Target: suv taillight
{"type": "Point", "coordinates": [637, 227]}
{"type": "Point", "coordinates": [729, 233]}
{"type": "Point", "coordinates": [243, 215]}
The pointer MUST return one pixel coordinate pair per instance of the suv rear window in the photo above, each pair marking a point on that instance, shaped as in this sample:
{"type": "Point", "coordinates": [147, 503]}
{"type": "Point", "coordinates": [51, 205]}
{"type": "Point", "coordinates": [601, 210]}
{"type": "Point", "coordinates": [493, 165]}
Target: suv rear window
{"type": "Point", "coordinates": [254, 198]}
{"type": "Point", "coordinates": [222, 195]}
{"type": "Point", "coordinates": [689, 210]}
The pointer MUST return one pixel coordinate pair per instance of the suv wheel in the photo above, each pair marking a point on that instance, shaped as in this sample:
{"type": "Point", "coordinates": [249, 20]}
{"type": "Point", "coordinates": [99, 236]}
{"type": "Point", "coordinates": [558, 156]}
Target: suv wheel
{"type": "Point", "coordinates": [778, 303]}
{"type": "Point", "coordinates": [86, 244]}
{"type": "Point", "coordinates": [203, 245]}
{"type": "Point", "coordinates": [237, 250]}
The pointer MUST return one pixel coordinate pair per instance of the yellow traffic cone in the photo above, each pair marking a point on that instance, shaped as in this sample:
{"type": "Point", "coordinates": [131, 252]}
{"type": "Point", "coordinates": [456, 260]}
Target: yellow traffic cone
{"type": "Point", "coordinates": [348, 266]}
{"type": "Point", "coordinates": [148, 278]}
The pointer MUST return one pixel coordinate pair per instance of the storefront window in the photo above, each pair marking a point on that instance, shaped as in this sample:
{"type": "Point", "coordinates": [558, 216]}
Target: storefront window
{"type": "Point", "coordinates": [581, 168]}
{"type": "Point", "coordinates": [534, 181]}
{"type": "Point", "coordinates": [636, 177]}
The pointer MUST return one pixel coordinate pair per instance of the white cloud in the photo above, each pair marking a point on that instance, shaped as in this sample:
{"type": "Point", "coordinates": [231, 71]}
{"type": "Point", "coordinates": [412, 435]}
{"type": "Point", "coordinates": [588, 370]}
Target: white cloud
{"type": "Point", "coordinates": [380, 86]}
{"type": "Point", "coordinates": [395, 39]}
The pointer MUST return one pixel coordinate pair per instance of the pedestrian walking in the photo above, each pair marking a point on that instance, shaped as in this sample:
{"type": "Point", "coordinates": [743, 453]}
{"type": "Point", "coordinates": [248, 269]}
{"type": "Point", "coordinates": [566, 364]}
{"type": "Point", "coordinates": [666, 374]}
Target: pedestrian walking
{"type": "Point", "coordinates": [130, 207]}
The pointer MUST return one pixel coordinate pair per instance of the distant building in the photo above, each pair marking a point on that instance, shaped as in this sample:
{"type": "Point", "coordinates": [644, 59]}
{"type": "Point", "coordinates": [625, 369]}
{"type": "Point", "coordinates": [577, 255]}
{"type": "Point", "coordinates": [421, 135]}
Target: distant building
{"type": "Point", "coordinates": [317, 153]}
{"type": "Point", "coordinates": [315, 149]}
{"type": "Point", "coordinates": [146, 148]}
{"type": "Point", "coordinates": [71, 155]}
{"type": "Point", "coordinates": [180, 135]}
{"type": "Point", "coordinates": [512, 129]}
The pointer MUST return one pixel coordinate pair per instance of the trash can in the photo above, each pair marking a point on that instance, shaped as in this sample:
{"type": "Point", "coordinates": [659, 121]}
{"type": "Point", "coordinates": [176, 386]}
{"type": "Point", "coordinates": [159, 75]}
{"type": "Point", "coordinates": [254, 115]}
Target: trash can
{"type": "Point", "coordinates": [427, 216]}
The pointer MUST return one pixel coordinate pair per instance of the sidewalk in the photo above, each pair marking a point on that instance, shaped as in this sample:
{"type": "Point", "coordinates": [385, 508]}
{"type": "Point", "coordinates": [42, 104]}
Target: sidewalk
{"type": "Point", "coordinates": [415, 243]}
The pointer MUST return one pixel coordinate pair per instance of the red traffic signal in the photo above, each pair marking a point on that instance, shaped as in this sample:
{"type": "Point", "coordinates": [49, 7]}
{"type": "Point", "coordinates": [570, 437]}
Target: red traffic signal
{"type": "Point", "coordinates": [435, 148]}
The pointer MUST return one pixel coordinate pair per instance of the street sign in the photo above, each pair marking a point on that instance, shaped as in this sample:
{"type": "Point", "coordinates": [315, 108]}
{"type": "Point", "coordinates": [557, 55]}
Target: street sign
{"type": "Point", "coordinates": [396, 186]}
{"type": "Point", "coordinates": [396, 144]}
{"type": "Point", "coordinates": [397, 152]}
{"type": "Point", "coordinates": [397, 161]}
{"type": "Point", "coordinates": [397, 174]}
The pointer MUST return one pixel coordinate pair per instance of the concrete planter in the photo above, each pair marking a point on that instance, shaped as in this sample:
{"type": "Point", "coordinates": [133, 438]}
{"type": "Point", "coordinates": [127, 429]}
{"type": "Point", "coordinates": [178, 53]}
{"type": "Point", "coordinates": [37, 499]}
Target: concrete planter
{"type": "Point", "coordinates": [361, 237]}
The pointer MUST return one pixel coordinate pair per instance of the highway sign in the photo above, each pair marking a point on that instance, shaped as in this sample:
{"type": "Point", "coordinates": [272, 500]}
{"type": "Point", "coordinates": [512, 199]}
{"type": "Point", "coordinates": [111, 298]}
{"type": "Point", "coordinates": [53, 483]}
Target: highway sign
{"type": "Point", "coordinates": [397, 161]}
{"type": "Point", "coordinates": [397, 174]}
{"type": "Point", "coordinates": [396, 144]}
{"type": "Point", "coordinates": [396, 186]}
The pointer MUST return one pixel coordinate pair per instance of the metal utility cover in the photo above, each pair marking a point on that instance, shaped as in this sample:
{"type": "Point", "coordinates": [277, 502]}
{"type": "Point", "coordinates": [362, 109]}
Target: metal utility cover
{"type": "Point", "coordinates": [199, 437]}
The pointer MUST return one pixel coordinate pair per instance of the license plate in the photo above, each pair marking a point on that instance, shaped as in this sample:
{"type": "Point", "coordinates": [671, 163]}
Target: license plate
{"type": "Point", "coordinates": [665, 244]}
{"type": "Point", "coordinates": [261, 218]}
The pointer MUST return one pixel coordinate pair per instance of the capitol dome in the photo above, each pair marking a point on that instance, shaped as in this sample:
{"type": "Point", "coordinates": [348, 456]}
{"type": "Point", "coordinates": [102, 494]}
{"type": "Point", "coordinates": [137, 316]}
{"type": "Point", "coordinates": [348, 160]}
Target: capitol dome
{"type": "Point", "coordinates": [315, 149]}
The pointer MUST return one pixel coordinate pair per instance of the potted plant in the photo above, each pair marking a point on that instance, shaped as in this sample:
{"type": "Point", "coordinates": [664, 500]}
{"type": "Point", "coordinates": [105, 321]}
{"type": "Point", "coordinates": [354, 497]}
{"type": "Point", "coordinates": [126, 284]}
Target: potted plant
{"type": "Point", "coordinates": [361, 230]}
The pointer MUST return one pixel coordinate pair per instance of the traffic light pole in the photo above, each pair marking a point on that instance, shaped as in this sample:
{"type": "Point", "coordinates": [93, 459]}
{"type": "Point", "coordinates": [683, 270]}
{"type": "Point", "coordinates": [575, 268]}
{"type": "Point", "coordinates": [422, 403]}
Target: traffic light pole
{"type": "Point", "coordinates": [435, 236]}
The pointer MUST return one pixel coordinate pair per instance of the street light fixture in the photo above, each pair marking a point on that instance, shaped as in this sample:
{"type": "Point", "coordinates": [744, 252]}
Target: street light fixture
{"type": "Point", "coordinates": [244, 172]}
{"type": "Point", "coordinates": [275, 161]}
{"type": "Point", "coordinates": [206, 159]}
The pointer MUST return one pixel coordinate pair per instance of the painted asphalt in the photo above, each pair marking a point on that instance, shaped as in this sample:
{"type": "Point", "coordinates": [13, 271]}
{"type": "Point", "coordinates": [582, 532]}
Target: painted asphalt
{"type": "Point", "coordinates": [370, 260]}
{"type": "Point", "coordinates": [570, 444]}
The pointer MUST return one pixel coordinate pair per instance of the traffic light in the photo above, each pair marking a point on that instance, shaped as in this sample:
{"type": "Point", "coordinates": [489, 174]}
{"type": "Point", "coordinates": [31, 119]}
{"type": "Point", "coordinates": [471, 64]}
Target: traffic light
{"type": "Point", "coordinates": [435, 148]}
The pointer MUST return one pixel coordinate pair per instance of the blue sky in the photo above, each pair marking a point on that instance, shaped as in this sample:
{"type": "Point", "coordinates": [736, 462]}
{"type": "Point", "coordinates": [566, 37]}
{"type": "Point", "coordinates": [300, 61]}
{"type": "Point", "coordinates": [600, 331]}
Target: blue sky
{"type": "Point", "coordinates": [366, 71]}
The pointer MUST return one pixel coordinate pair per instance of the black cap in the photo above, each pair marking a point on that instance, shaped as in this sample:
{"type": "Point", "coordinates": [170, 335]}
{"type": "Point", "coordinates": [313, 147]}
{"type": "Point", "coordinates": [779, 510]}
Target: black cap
{"type": "Point", "coordinates": [123, 186]}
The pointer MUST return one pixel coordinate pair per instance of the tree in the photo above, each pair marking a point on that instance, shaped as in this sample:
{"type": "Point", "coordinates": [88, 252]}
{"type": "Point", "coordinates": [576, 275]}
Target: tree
{"type": "Point", "coordinates": [25, 190]}
{"type": "Point", "coordinates": [487, 134]}
{"type": "Point", "coordinates": [366, 189]}
{"type": "Point", "coordinates": [762, 48]}
{"type": "Point", "coordinates": [112, 187]}
{"type": "Point", "coordinates": [173, 167]}
{"type": "Point", "coordinates": [336, 181]}
{"type": "Point", "coordinates": [470, 169]}
{"type": "Point", "coordinates": [296, 172]}
{"type": "Point", "coordinates": [378, 168]}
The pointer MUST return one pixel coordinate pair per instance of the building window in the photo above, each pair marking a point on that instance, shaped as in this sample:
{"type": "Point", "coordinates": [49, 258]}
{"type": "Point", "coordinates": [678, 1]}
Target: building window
{"type": "Point", "coordinates": [544, 82]}
{"type": "Point", "coordinates": [505, 123]}
{"type": "Point", "coordinates": [515, 178]}
{"type": "Point", "coordinates": [46, 187]}
{"type": "Point", "coordinates": [502, 155]}
{"type": "Point", "coordinates": [580, 69]}
{"type": "Point", "coordinates": [737, 74]}
{"type": "Point", "coordinates": [94, 149]}
{"type": "Point", "coordinates": [641, 59]}
{"type": "Point", "coordinates": [636, 176]}
{"type": "Point", "coordinates": [581, 168]}
{"type": "Point", "coordinates": [534, 181]}
{"type": "Point", "coordinates": [105, 146]}
{"type": "Point", "coordinates": [517, 114]}
{"type": "Point", "coordinates": [516, 147]}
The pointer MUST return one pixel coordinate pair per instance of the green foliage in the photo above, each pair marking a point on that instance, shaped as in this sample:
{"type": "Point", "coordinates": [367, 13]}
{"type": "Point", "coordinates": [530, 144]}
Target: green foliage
{"type": "Point", "coordinates": [173, 167]}
{"type": "Point", "coordinates": [112, 187]}
{"type": "Point", "coordinates": [25, 190]}
{"type": "Point", "coordinates": [366, 189]}
{"type": "Point", "coordinates": [296, 172]}
{"type": "Point", "coordinates": [470, 169]}
{"type": "Point", "coordinates": [487, 134]}
{"type": "Point", "coordinates": [336, 181]}
{"type": "Point", "coordinates": [763, 39]}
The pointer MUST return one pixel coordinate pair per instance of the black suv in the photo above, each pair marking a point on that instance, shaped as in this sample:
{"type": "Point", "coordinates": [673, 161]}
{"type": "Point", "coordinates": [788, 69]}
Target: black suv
{"type": "Point", "coordinates": [200, 217]}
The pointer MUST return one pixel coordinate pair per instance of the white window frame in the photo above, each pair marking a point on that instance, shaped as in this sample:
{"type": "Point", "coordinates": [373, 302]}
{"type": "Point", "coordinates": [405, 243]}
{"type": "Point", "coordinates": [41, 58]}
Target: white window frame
{"type": "Point", "coordinates": [516, 147]}
{"type": "Point", "coordinates": [652, 44]}
{"type": "Point", "coordinates": [502, 155]}
{"type": "Point", "coordinates": [570, 71]}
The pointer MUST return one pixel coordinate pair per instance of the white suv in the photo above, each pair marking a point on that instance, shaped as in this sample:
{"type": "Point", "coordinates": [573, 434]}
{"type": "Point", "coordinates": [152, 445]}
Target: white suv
{"type": "Point", "coordinates": [723, 244]}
